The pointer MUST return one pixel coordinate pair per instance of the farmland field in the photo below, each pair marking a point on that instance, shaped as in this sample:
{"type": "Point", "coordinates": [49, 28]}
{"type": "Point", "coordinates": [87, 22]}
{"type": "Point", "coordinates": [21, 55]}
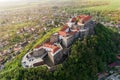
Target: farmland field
{"type": "Point", "coordinates": [98, 4]}
{"type": "Point", "coordinates": [112, 5]}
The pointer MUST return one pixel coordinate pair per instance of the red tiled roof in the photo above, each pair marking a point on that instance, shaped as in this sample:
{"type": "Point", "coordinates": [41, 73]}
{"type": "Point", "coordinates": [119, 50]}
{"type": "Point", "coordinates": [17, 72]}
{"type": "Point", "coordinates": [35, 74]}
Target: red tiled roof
{"type": "Point", "coordinates": [85, 18]}
{"type": "Point", "coordinates": [113, 64]}
{"type": "Point", "coordinates": [55, 49]}
{"type": "Point", "coordinates": [64, 28]}
{"type": "Point", "coordinates": [118, 56]}
{"type": "Point", "coordinates": [62, 31]}
{"type": "Point", "coordinates": [16, 49]}
{"type": "Point", "coordinates": [52, 46]}
{"type": "Point", "coordinates": [73, 19]}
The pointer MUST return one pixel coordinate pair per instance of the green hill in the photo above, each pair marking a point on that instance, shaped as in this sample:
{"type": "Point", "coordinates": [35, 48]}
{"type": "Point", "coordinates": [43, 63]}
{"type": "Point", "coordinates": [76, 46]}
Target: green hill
{"type": "Point", "coordinates": [88, 57]}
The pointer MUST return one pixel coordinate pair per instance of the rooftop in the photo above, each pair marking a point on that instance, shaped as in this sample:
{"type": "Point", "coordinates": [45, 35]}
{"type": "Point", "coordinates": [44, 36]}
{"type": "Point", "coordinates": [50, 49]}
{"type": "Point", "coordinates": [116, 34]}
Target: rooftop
{"type": "Point", "coordinates": [73, 19]}
{"type": "Point", "coordinates": [65, 31]}
{"type": "Point", "coordinates": [84, 18]}
{"type": "Point", "coordinates": [118, 56]}
{"type": "Point", "coordinates": [52, 46]}
{"type": "Point", "coordinates": [114, 64]}
{"type": "Point", "coordinates": [64, 28]}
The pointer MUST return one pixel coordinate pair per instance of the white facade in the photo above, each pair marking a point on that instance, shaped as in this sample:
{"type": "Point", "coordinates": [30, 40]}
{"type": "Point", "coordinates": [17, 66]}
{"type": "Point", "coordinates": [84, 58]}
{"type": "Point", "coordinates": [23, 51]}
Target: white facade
{"type": "Point", "coordinates": [56, 57]}
{"type": "Point", "coordinates": [29, 60]}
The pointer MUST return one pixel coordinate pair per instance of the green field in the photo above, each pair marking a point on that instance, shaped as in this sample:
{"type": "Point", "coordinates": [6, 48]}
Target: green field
{"type": "Point", "coordinates": [113, 5]}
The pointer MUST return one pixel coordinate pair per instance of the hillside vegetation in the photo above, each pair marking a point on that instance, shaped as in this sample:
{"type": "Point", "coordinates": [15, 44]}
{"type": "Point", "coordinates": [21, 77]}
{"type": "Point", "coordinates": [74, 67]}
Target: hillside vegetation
{"type": "Point", "coordinates": [15, 64]}
{"type": "Point", "coordinates": [88, 57]}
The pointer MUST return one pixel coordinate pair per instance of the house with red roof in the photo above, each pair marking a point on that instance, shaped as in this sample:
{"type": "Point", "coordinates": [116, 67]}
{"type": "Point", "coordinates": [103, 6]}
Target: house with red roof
{"type": "Point", "coordinates": [54, 51]}
{"type": "Point", "coordinates": [118, 56]}
{"type": "Point", "coordinates": [75, 28]}
{"type": "Point", "coordinates": [67, 35]}
{"type": "Point", "coordinates": [114, 64]}
{"type": "Point", "coordinates": [83, 19]}
{"type": "Point", "coordinates": [80, 20]}
{"type": "Point", "coordinates": [83, 23]}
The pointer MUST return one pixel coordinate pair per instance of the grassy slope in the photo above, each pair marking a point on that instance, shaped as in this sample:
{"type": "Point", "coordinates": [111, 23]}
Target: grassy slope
{"type": "Point", "coordinates": [16, 62]}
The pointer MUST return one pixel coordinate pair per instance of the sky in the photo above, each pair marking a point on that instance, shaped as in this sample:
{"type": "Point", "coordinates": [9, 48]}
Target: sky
{"type": "Point", "coordinates": [9, 0]}
{"type": "Point", "coordinates": [21, 0]}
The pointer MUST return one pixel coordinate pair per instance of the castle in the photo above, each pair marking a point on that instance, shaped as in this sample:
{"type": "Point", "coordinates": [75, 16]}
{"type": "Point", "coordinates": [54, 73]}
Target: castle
{"type": "Point", "coordinates": [77, 27]}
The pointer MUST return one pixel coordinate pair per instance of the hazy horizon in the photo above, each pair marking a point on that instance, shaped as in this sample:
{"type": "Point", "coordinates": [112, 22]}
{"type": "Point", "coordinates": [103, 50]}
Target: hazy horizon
{"type": "Point", "coordinates": [5, 4]}
{"type": "Point", "coordinates": [9, 4]}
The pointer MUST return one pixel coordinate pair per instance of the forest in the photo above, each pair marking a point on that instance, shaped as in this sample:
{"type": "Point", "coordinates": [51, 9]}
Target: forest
{"type": "Point", "coordinates": [88, 57]}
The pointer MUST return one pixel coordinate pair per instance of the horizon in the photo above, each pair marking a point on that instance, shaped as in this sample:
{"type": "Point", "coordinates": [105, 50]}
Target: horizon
{"type": "Point", "coordinates": [11, 4]}
{"type": "Point", "coordinates": [7, 4]}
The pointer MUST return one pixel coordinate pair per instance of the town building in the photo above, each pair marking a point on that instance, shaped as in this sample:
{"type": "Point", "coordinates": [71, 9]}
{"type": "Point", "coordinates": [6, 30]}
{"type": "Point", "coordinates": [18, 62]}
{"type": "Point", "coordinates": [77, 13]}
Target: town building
{"type": "Point", "coordinates": [115, 76]}
{"type": "Point", "coordinates": [34, 58]}
{"type": "Point", "coordinates": [118, 56]}
{"type": "Point", "coordinates": [54, 51]}
{"type": "Point", "coordinates": [67, 36]}
{"type": "Point", "coordinates": [79, 26]}
{"type": "Point", "coordinates": [84, 19]}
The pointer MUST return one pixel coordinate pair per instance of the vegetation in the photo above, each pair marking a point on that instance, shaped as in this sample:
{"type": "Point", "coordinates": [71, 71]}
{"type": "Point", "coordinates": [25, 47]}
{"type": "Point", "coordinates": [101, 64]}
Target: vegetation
{"type": "Point", "coordinates": [88, 57]}
{"type": "Point", "coordinates": [93, 54]}
{"type": "Point", "coordinates": [16, 62]}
